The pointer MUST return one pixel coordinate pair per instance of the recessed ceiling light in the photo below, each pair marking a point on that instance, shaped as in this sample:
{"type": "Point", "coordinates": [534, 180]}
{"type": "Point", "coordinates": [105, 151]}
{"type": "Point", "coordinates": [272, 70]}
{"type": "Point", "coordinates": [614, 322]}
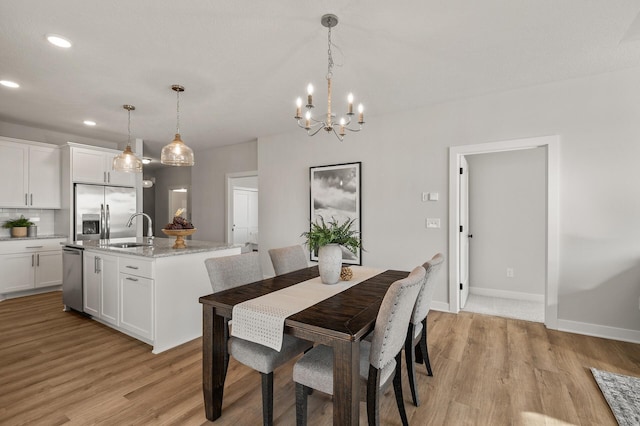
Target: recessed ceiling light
{"type": "Point", "coordinates": [89, 123]}
{"type": "Point", "coordinates": [8, 83]}
{"type": "Point", "coordinates": [146, 160]}
{"type": "Point", "coordinates": [59, 41]}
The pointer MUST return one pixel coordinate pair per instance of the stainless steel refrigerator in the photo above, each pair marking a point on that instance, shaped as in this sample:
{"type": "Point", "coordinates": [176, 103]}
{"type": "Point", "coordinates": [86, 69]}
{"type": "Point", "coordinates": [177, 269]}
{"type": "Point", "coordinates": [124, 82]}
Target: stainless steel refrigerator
{"type": "Point", "coordinates": [101, 212]}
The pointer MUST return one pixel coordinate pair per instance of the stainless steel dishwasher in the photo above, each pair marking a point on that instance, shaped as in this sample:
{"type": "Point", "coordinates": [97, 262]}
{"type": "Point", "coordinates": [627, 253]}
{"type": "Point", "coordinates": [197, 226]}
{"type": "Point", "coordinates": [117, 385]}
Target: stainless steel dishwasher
{"type": "Point", "coordinates": [72, 278]}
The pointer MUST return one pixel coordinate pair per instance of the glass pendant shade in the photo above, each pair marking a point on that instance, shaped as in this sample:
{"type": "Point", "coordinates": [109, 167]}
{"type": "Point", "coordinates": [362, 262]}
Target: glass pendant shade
{"type": "Point", "coordinates": [177, 153]}
{"type": "Point", "coordinates": [127, 161]}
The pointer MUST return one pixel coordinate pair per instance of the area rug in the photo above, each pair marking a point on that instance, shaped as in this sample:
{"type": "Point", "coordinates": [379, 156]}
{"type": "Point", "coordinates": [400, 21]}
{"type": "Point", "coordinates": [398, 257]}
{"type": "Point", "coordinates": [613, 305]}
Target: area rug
{"type": "Point", "coordinates": [623, 395]}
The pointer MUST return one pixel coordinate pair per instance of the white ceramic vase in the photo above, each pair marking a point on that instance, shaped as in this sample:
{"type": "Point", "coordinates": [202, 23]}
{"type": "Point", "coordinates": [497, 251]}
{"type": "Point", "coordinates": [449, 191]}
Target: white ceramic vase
{"type": "Point", "coordinates": [330, 263]}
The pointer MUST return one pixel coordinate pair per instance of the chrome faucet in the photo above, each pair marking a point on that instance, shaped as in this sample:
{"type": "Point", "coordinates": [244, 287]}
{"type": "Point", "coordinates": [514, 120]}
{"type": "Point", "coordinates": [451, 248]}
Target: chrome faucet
{"type": "Point", "coordinates": [149, 228]}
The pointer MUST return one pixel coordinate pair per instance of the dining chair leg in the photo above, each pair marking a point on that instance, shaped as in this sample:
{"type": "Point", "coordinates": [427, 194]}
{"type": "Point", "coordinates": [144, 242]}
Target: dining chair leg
{"type": "Point", "coordinates": [373, 396]}
{"type": "Point", "coordinates": [301, 404]}
{"type": "Point", "coordinates": [397, 390]}
{"type": "Point", "coordinates": [424, 348]}
{"type": "Point", "coordinates": [410, 357]}
{"type": "Point", "coordinates": [226, 348]}
{"type": "Point", "coordinates": [267, 399]}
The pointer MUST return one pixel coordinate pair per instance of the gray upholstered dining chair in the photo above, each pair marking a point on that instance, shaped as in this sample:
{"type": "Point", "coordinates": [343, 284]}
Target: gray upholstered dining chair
{"type": "Point", "coordinates": [233, 271]}
{"type": "Point", "coordinates": [380, 359]}
{"type": "Point", "coordinates": [288, 259]}
{"type": "Point", "coordinates": [416, 340]}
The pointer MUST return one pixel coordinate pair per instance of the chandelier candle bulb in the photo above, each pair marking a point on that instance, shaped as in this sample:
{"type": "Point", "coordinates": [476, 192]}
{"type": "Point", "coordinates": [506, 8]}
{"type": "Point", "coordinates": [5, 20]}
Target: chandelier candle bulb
{"type": "Point", "coordinates": [298, 108]}
{"type": "Point", "coordinates": [350, 105]}
{"type": "Point", "coordinates": [310, 96]}
{"type": "Point", "coordinates": [308, 118]}
{"type": "Point", "coordinates": [360, 114]}
{"type": "Point", "coordinates": [342, 123]}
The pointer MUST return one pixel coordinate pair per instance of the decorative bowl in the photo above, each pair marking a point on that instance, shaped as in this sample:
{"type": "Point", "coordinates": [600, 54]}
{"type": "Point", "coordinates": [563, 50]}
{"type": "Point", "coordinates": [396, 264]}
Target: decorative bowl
{"type": "Point", "coordinates": [179, 234]}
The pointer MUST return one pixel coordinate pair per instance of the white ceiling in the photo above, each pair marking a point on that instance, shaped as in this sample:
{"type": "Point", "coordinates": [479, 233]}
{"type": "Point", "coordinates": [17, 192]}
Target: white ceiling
{"type": "Point", "coordinates": [244, 62]}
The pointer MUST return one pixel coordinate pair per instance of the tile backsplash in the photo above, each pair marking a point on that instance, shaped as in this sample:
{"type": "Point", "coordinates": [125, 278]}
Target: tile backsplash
{"type": "Point", "coordinates": [43, 219]}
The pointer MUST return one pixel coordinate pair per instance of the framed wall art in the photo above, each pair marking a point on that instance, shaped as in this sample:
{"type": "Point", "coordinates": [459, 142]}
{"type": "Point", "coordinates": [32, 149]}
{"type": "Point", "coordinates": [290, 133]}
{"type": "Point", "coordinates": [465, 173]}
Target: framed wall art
{"type": "Point", "coordinates": [335, 193]}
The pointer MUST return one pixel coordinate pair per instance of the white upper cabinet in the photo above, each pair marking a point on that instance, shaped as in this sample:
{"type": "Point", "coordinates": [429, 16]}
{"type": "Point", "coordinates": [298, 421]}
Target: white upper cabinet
{"type": "Point", "coordinates": [30, 173]}
{"type": "Point", "coordinates": [95, 166]}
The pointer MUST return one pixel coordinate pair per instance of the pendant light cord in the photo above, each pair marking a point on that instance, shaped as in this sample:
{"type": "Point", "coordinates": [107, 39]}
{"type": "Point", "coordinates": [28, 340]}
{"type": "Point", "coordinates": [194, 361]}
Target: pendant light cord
{"type": "Point", "coordinates": [178, 112]}
{"type": "Point", "coordinates": [129, 128]}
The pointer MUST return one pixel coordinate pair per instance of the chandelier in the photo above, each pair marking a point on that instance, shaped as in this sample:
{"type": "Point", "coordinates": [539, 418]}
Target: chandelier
{"type": "Point", "coordinates": [127, 161]}
{"type": "Point", "coordinates": [314, 124]}
{"type": "Point", "coordinates": [177, 153]}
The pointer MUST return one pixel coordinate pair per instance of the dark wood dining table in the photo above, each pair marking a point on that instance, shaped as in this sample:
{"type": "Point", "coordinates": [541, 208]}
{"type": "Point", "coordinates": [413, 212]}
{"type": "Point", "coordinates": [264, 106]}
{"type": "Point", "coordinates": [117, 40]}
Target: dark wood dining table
{"type": "Point", "coordinates": [339, 322]}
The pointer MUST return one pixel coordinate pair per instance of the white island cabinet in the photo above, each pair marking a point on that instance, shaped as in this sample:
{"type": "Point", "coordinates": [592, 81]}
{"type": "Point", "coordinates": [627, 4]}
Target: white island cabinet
{"type": "Point", "coordinates": [151, 292]}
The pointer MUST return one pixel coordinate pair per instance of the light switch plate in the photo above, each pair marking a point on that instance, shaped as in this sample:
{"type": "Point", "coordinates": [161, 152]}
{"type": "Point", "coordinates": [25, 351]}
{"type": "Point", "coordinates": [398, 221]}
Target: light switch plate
{"type": "Point", "coordinates": [433, 223]}
{"type": "Point", "coordinates": [433, 196]}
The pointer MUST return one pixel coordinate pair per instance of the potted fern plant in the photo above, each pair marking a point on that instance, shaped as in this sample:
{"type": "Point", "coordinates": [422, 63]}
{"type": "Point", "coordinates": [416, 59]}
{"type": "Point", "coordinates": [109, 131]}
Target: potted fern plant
{"type": "Point", "coordinates": [326, 238]}
{"type": "Point", "coordinates": [18, 226]}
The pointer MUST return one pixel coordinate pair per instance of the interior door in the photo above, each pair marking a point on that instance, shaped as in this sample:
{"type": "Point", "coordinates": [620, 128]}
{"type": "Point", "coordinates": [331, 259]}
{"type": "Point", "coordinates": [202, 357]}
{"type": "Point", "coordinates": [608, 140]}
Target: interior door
{"type": "Point", "coordinates": [464, 234]}
{"type": "Point", "coordinates": [240, 216]}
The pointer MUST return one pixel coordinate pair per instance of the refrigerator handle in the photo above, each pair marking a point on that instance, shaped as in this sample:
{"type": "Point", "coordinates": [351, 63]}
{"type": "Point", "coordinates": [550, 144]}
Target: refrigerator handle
{"type": "Point", "coordinates": [108, 222]}
{"type": "Point", "coordinates": [102, 222]}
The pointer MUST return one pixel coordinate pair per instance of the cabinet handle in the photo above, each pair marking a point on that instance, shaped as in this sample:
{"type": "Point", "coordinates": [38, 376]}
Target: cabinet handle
{"type": "Point", "coordinates": [34, 247]}
{"type": "Point", "coordinates": [131, 267]}
{"type": "Point", "coordinates": [31, 200]}
{"type": "Point", "coordinates": [96, 265]}
{"type": "Point", "coordinates": [26, 199]}
{"type": "Point", "coordinates": [33, 260]}
{"type": "Point", "coordinates": [132, 279]}
{"type": "Point", "coordinates": [38, 259]}
{"type": "Point", "coordinates": [108, 177]}
{"type": "Point", "coordinates": [104, 177]}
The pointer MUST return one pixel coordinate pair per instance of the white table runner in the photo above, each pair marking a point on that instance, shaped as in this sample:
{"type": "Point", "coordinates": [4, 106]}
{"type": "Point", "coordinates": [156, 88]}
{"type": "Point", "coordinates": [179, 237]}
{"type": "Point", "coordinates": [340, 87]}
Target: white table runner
{"type": "Point", "coordinates": [261, 320]}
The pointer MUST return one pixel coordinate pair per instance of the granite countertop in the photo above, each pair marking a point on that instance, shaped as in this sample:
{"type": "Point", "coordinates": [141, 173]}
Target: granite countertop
{"type": "Point", "coordinates": [39, 237]}
{"type": "Point", "coordinates": [161, 247]}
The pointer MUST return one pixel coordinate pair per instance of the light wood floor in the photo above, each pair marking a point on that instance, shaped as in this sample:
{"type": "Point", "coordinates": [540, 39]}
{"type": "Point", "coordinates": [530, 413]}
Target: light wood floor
{"type": "Point", "coordinates": [60, 368]}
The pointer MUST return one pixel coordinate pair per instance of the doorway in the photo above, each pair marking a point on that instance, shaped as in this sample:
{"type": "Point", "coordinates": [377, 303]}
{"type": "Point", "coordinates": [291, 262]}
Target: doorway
{"type": "Point", "coordinates": [242, 210]}
{"type": "Point", "coordinates": [456, 265]}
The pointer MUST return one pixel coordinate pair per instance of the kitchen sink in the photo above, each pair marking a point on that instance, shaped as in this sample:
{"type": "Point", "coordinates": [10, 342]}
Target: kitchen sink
{"type": "Point", "coordinates": [129, 245]}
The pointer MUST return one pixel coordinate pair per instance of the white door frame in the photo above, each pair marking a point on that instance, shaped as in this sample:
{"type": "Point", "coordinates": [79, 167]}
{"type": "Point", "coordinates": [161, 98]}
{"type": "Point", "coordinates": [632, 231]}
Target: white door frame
{"type": "Point", "coordinates": [552, 224]}
{"type": "Point", "coordinates": [229, 199]}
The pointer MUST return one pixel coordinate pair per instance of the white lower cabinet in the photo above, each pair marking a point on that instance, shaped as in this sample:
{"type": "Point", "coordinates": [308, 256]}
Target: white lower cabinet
{"type": "Point", "coordinates": [17, 272]}
{"type": "Point", "coordinates": [136, 305]}
{"type": "Point", "coordinates": [100, 282]}
{"type": "Point", "coordinates": [30, 264]}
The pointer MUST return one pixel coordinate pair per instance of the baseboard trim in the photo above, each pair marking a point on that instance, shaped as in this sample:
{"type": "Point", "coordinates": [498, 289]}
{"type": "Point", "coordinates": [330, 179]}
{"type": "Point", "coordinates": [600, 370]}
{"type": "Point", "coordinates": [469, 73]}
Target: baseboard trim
{"type": "Point", "coordinates": [505, 294]}
{"type": "Point", "coordinates": [606, 332]}
{"type": "Point", "coordinates": [440, 306]}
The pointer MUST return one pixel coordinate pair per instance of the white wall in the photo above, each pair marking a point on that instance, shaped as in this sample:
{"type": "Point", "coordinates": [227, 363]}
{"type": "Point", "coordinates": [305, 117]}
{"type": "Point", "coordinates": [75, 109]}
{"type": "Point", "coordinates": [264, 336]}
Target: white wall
{"type": "Point", "coordinates": [405, 154]}
{"type": "Point", "coordinates": [507, 210]}
{"type": "Point", "coordinates": [208, 186]}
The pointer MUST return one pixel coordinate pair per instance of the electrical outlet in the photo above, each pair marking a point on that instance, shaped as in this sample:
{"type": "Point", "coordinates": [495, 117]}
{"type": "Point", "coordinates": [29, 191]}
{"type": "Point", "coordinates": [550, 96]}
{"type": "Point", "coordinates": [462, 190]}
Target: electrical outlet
{"type": "Point", "coordinates": [433, 223]}
{"type": "Point", "coordinates": [510, 272]}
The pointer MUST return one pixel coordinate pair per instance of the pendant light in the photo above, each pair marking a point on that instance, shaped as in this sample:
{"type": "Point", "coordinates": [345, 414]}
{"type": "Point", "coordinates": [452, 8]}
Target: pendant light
{"type": "Point", "coordinates": [177, 153]}
{"type": "Point", "coordinates": [127, 161]}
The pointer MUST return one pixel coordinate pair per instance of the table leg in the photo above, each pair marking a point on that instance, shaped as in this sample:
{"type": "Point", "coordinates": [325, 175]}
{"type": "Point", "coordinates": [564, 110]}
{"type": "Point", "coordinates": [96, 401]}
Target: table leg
{"type": "Point", "coordinates": [214, 349]}
{"type": "Point", "coordinates": [346, 382]}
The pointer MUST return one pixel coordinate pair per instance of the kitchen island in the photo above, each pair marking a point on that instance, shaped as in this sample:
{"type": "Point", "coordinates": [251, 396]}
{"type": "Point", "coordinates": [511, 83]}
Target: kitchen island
{"type": "Point", "coordinates": [147, 289]}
